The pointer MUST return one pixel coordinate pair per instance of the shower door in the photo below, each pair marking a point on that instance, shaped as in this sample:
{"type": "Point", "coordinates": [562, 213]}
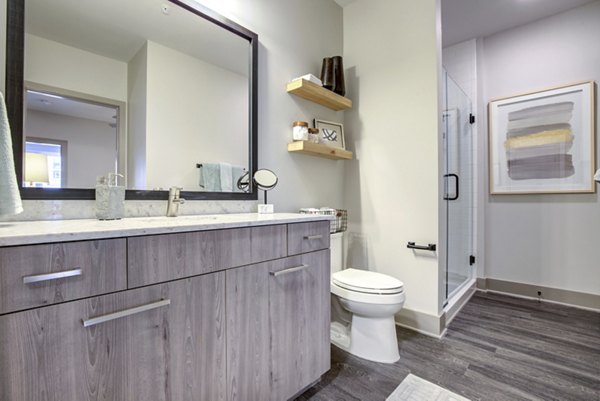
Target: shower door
{"type": "Point", "coordinates": [459, 186]}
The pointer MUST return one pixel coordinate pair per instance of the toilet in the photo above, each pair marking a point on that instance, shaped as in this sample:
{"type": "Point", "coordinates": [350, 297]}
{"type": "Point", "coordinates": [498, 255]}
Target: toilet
{"type": "Point", "coordinates": [371, 299]}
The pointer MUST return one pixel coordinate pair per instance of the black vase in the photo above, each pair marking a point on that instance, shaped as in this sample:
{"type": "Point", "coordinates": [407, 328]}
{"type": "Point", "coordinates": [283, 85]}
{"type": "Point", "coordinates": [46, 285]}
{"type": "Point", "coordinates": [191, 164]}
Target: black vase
{"type": "Point", "coordinates": [327, 73]}
{"type": "Point", "coordinates": [339, 86]}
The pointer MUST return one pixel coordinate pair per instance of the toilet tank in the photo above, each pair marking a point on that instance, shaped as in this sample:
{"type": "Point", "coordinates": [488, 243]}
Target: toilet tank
{"type": "Point", "coordinates": [337, 252]}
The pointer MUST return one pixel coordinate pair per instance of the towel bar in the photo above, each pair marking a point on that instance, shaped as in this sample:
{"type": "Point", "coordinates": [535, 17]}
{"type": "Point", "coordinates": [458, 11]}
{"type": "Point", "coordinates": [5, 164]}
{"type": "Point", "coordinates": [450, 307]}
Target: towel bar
{"type": "Point", "coordinates": [428, 247]}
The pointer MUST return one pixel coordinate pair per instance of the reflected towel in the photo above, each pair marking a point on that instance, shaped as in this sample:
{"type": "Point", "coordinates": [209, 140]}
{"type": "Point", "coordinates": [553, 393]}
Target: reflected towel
{"type": "Point", "coordinates": [210, 177]}
{"type": "Point", "coordinates": [226, 177]}
{"type": "Point", "coordinates": [541, 138]}
{"type": "Point", "coordinates": [10, 199]}
{"type": "Point", "coordinates": [237, 172]}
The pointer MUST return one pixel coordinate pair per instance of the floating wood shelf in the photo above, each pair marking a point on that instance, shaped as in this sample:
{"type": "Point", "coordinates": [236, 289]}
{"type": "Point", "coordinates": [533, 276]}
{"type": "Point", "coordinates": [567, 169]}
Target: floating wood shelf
{"type": "Point", "coordinates": [315, 93]}
{"type": "Point", "coordinates": [316, 149]}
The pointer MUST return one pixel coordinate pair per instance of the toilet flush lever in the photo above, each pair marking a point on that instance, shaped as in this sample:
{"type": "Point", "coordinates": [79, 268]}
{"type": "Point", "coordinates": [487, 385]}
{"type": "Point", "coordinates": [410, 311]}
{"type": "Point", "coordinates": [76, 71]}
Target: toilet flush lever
{"type": "Point", "coordinates": [428, 247]}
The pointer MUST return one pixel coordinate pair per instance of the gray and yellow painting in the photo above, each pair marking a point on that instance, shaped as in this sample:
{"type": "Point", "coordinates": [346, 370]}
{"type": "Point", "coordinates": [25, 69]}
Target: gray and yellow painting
{"type": "Point", "coordinates": [538, 141]}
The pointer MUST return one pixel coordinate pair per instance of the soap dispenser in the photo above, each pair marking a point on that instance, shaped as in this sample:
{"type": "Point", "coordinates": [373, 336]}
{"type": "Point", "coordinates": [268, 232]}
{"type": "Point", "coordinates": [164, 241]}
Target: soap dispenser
{"type": "Point", "coordinates": [110, 198]}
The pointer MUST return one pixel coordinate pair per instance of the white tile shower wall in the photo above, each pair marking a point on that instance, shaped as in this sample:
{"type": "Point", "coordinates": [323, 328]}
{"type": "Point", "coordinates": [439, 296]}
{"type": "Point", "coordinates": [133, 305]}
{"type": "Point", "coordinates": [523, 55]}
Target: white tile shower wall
{"type": "Point", "coordinates": [460, 61]}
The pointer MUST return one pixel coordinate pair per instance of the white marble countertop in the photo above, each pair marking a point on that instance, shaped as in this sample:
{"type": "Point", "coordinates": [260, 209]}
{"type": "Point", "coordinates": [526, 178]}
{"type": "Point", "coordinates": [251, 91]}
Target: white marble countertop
{"type": "Point", "coordinates": [38, 232]}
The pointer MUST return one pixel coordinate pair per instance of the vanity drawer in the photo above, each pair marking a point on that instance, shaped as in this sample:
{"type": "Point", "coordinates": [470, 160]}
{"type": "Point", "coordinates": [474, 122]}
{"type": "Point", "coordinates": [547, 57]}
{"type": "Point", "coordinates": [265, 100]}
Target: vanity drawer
{"type": "Point", "coordinates": [37, 275]}
{"type": "Point", "coordinates": [244, 246]}
{"type": "Point", "coordinates": [157, 258]}
{"type": "Point", "coordinates": [308, 237]}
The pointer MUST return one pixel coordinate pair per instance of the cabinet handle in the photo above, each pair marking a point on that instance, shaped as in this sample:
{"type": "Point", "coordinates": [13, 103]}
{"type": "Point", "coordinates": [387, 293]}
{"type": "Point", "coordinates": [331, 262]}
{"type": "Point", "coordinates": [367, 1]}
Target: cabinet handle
{"type": "Point", "coordinates": [51, 276]}
{"type": "Point", "coordinates": [289, 270]}
{"type": "Point", "coordinates": [311, 237]}
{"type": "Point", "coordinates": [127, 312]}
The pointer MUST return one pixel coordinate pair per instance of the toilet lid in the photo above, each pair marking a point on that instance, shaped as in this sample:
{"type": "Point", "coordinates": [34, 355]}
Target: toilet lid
{"type": "Point", "coordinates": [367, 281]}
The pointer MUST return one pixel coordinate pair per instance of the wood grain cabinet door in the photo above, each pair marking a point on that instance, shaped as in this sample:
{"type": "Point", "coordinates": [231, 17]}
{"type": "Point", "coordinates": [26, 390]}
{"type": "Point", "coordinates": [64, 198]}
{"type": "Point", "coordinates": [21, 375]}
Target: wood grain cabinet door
{"type": "Point", "coordinates": [164, 342]}
{"type": "Point", "coordinates": [245, 246]}
{"type": "Point", "coordinates": [299, 314]}
{"type": "Point", "coordinates": [40, 275]}
{"type": "Point", "coordinates": [308, 237]}
{"type": "Point", "coordinates": [47, 355]}
{"type": "Point", "coordinates": [157, 258]}
{"type": "Point", "coordinates": [177, 352]}
{"type": "Point", "coordinates": [248, 341]}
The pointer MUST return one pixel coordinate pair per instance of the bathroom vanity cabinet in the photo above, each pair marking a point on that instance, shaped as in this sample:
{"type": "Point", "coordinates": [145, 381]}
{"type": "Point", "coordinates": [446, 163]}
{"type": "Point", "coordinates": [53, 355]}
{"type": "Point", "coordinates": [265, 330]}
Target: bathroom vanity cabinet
{"type": "Point", "coordinates": [223, 314]}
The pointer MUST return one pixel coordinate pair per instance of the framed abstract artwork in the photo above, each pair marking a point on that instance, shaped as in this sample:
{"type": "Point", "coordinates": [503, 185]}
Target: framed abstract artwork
{"type": "Point", "coordinates": [543, 142]}
{"type": "Point", "coordinates": [330, 133]}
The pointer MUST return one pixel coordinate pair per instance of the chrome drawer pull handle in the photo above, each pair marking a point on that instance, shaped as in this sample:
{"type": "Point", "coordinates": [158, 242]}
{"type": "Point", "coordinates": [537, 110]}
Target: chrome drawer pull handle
{"type": "Point", "coordinates": [290, 270]}
{"type": "Point", "coordinates": [51, 276]}
{"type": "Point", "coordinates": [127, 312]}
{"type": "Point", "coordinates": [311, 237]}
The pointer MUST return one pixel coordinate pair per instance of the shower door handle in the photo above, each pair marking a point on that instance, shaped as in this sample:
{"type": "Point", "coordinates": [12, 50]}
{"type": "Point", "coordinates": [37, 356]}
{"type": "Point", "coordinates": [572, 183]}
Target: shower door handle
{"type": "Point", "coordinates": [456, 181]}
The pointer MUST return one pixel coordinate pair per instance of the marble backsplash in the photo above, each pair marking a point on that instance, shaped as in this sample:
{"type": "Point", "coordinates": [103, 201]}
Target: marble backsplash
{"type": "Point", "coordinates": [84, 209]}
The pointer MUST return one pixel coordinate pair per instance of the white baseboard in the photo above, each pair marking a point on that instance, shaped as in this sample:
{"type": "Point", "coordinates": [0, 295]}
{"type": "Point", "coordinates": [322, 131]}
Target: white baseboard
{"type": "Point", "coordinates": [530, 291]}
{"type": "Point", "coordinates": [424, 323]}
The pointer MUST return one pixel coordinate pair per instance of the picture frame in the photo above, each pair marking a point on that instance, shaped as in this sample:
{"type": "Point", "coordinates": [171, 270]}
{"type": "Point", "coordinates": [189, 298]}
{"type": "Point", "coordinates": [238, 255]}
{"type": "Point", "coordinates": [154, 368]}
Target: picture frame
{"type": "Point", "coordinates": [330, 133]}
{"type": "Point", "coordinates": [543, 142]}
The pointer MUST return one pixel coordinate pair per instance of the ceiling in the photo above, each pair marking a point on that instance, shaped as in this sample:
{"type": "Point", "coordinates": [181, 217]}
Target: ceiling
{"type": "Point", "coordinates": [344, 3]}
{"type": "Point", "coordinates": [118, 29]}
{"type": "Point", "coordinates": [468, 19]}
{"type": "Point", "coordinates": [54, 104]}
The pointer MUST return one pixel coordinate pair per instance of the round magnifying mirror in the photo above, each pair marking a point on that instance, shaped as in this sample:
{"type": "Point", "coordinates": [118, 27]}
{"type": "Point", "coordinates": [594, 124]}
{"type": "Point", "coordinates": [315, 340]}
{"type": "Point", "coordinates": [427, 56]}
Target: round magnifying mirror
{"type": "Point", "coordinates": [265, 179]}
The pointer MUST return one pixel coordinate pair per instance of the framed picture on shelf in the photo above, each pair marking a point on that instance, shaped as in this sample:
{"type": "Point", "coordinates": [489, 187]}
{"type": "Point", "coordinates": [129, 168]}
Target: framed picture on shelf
{"type": "Point", "coordinates": [543, 142]}
{"type": "Point", "coordinates": [331, 133]}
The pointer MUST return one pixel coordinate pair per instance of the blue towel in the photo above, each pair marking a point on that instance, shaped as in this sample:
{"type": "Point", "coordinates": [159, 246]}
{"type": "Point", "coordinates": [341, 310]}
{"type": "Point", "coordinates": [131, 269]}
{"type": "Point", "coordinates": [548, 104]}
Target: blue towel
{"type": "Point", "coordinates": [226, 177]}
{"type": "Point", "coordinates": [210, 177]}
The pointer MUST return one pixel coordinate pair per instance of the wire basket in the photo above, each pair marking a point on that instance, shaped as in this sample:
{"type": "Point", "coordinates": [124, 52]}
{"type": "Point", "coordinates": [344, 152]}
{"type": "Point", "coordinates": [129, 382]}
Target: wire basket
{"type": "Point", "coordinates": [338, 224]}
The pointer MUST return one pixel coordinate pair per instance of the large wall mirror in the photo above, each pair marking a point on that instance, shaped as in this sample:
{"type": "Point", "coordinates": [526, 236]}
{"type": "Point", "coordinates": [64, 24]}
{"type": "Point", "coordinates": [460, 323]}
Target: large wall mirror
{"type": "Point", "coordinates": [162, 92]}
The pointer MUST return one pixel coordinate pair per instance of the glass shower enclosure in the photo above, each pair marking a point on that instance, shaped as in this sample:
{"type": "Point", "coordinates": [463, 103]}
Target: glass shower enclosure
{"type": "Point", "coordinates": [459, 186]}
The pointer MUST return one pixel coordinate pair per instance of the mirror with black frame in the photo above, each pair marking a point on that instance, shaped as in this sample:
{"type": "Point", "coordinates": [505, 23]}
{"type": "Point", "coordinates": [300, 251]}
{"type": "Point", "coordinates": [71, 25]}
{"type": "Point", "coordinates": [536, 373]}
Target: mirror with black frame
{"type": "Point", "coordinates": [162, 92]}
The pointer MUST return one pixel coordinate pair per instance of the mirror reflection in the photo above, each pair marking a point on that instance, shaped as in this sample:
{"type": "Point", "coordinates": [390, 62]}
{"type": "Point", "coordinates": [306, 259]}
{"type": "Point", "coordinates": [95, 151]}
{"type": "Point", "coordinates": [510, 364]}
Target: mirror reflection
{"type": "Point", "coordinates": [143, 88]}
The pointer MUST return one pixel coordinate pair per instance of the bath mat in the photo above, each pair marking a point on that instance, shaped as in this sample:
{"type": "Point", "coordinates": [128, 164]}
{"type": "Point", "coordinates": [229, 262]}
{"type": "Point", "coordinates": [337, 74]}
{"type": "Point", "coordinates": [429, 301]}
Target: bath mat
{"type": "Point", "coordinates": [414, 388]}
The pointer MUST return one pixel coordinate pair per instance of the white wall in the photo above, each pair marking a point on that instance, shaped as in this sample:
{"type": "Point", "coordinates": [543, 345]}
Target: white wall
{"type": "Point", "coordinates": [392, 188]}
{"type": "Point", "coordinates": [61, 66]}
{"type": "Point", "coordinates": [548, 240]}
{"type": "Point", "coordinates": [196, 113]}
{"type": "Point", "coordinates": [136, 130]}
{"type": "Point", "coordinates": [91, 145]}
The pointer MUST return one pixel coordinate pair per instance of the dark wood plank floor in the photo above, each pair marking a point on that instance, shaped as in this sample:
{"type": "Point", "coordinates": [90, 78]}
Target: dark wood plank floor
{"type": "Point", "coordinates": [497, 348]}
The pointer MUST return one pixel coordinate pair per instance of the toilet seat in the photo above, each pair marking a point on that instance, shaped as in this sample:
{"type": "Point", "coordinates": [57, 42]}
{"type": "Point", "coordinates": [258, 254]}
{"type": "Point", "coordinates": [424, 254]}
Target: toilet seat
{"type": "Point", "coordinates": [367, 287]}
{"type": "Point", "coordinates": [367, 282]}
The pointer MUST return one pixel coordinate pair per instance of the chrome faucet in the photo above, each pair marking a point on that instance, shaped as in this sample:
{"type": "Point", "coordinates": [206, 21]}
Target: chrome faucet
{"type": "Point", "coordinates": [174, 202]}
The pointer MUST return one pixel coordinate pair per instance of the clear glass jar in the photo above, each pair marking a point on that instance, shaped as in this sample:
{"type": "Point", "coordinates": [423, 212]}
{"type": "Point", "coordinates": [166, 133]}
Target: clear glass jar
{"type": "Point", "coordinates": [300, 131]}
